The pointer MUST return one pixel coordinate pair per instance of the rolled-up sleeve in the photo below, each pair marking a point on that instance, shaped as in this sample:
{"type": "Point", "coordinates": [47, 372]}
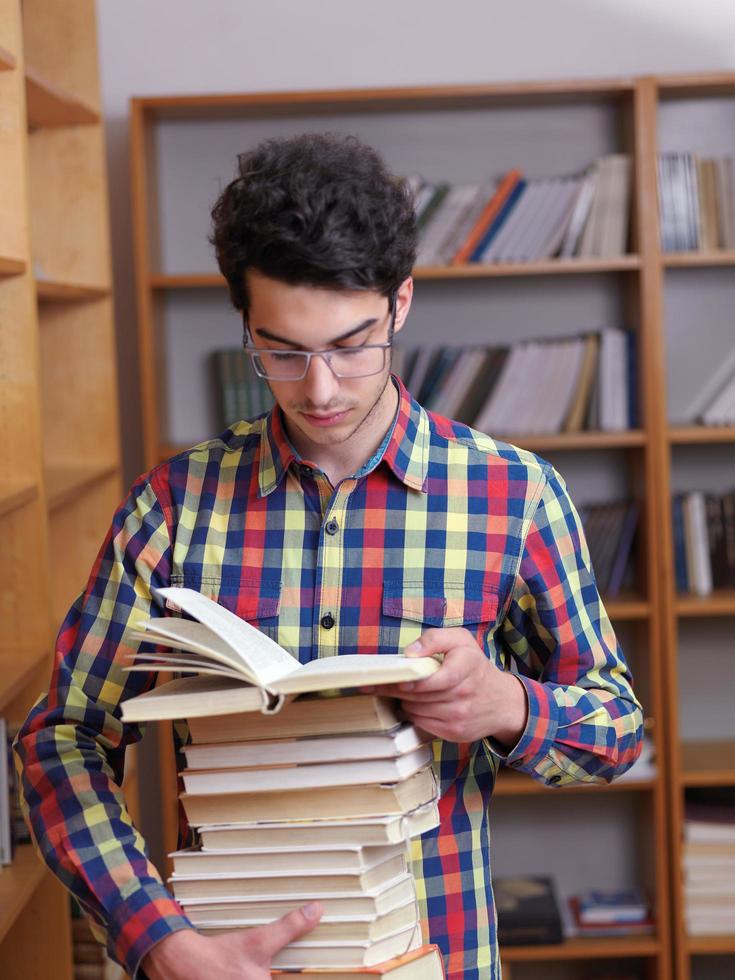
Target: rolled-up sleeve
{"type": "Point", "coordinates": [71, 747]}
{"type": "Point", "coordinates": [584, 721]}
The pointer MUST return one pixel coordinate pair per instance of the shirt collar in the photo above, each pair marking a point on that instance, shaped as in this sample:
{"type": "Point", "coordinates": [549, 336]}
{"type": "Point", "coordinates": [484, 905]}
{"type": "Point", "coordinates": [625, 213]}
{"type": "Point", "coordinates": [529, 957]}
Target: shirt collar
{"type": "Point", "coordinates": [406, 454]}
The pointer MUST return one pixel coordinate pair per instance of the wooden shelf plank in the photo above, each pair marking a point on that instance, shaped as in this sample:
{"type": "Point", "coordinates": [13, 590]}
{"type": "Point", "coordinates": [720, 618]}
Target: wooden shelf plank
{"type": "Point", "coordinates": [8, 60]}
{"type": "Point", "coordinates": [64, 484]}
{"type": "Point", "coordinates": [627, 607]}
{"type": "Point", "coordinates": [15, 495]}
{"type": "Point", "coordinates": [475, 270]}
{"type": "Point", "coordinates": [584, 948]}
{"type": "Point", "coordinates": [720, 603]}
{"type": "Point", "coordinates": [48, 290]}
{"type": "Point", "coordinates": [564, 441]}
{"type": "Point", "coordinates": [708, 763]}
{"type": "Point", "coordinates": [17, 667]}
{"type": "Point", "coordinates": [684, 260]}
{"type": "Point", "coordinates": [519, 784]}
{"type": "Point", "coordinates": [298, 103]}
{"type": "Point", "coordinates": [17, 884]}
{"type": "Point", "coordinates": [711, 945]}
{"type": "Point", "coordinates": [11, 267]}
{"type": "Point", "coordinates": [682, 435]}
{"type": "Point", "coordinates": [50, 105]}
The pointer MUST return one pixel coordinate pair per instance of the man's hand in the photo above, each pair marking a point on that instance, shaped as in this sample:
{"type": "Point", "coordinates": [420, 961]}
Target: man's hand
{"type": "Point", "coordinates": [468, 698]}
{"type": "Point", "coordinates": [244, 954]}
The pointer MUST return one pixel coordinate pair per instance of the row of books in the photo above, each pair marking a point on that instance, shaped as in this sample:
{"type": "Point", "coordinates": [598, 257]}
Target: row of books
{"type": "Point", "coordinates": [91, 961]}
{"type": "Point", "coordinates": [704, 541]}
{"type": "Point", "coordinates": [296, 800]}
{"type": "Point", "coordinates": [709, 862]}
{"type": "Point", "coordinates": [529, 388]}
{"type": "Point", "coordinates": [610, 532]}
{"type": "Point", "coordinates": [696, 202]}
{"type": "Point", "coordinates": [518, 219]}
{"type": "Point", "coordinates": [241, 394]}
{"type": "Point", "coordinates": [530, 913]}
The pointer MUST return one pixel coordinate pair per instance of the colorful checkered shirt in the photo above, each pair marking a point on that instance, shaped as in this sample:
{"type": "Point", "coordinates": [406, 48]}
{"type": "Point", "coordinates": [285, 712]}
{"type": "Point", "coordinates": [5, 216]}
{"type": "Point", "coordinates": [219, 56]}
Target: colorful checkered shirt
{"type": "Point", "coordinates": [446, 527]}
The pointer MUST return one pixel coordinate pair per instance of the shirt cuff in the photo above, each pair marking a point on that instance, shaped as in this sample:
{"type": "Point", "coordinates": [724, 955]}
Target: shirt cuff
{"type": "Point", "coordinates": [141, 920]}
{"type": "Point", "coordinates": [531, 752]}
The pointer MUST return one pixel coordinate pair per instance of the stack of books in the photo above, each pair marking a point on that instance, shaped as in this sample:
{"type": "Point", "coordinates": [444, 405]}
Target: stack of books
{"type": "Point", "coordinates": [606, 912]}
{"type": "Point", "coordinates": [314, 797]}
{"type": "Point", "coordinates": [709, 863]}
{"type": "Point", "coordinates": [534, 387]}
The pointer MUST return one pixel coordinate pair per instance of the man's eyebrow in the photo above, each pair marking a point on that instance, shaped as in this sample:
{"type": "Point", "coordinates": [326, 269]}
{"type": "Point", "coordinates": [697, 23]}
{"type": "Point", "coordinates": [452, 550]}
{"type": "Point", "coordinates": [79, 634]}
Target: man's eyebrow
{"type": "Point", "coordinates": [269, 335]}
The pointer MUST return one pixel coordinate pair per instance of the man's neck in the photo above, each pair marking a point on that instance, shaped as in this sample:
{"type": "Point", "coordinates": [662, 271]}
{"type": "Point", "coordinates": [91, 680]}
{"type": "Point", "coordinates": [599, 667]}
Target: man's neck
{"type": "Point", "coordinates": [340, 461]}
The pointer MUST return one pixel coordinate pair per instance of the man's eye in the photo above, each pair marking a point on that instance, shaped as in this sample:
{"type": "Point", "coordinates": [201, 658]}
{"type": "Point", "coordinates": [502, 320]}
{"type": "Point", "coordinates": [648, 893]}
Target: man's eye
{"type": "Point", "coordinates": [283, 355]}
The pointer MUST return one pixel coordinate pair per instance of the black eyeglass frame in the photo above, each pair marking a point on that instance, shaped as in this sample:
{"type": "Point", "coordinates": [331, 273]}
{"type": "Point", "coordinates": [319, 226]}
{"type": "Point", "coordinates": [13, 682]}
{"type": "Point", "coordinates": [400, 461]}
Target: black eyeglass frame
{"type": "Point", "coordinates": [255, 352]}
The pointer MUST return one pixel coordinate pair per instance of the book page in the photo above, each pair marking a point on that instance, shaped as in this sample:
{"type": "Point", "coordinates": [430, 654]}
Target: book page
{"type": "Point", "coordinates": [354, 670]}
{"type": "Point", "coordinates": [191, 638]}
{"type": "Point", "coordinates": [264, 658]}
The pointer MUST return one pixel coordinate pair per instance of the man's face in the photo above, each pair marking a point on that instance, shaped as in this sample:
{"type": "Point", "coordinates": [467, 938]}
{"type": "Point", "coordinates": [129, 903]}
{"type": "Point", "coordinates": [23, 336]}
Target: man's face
{"type": "Point", "coordinates": [322, 410]}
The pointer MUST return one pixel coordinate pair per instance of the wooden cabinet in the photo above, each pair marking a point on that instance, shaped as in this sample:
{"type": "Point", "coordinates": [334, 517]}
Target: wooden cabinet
{"type": "Point", "coordinates": [59, 428]}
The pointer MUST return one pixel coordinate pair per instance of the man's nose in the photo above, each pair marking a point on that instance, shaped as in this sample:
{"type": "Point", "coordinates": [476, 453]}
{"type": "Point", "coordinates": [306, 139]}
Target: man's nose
{"type": "Point", "coordinates": [320, 383]}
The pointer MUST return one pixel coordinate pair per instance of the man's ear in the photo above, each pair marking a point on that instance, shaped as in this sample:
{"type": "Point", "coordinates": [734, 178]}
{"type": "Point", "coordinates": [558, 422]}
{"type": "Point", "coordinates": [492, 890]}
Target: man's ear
{"type": "Point", "coordinates": [404, 295]}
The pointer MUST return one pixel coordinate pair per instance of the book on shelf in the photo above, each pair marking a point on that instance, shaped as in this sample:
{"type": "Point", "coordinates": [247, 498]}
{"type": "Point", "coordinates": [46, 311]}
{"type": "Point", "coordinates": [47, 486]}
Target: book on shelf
{"type": "Point", "coordinates": [610, 532]}
{"type": "Point", "coordinates": [696, 202]}
{"type": "Point", "coordinates": [703, 528]}
{"type": "Point", "coordinates": [708, 861]}
{"type": "Point", "coordinates": [218, 642]}
{"type": "Point", "coordinates": [580, 381]}
{"type": "Point", "coordinates": [527, 909]}
{"type": "Point", "coordinates": [240, 392]}
{"type": "Point", "coordinates": [714, 403]}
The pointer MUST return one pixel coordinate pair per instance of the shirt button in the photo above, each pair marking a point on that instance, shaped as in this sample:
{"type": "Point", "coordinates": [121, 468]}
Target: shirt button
{"type": "Point", "coordinates": [555, 779]}
{"type": "Point", "coordinates": [327, 621]}
{"type": "Point", "coordinates": [331, 527]}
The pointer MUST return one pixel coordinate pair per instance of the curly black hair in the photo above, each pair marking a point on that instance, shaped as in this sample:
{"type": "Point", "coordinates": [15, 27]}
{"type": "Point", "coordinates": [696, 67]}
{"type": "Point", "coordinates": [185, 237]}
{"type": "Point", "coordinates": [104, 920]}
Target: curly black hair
{"type": "Point", "coordinates": [317, 209]}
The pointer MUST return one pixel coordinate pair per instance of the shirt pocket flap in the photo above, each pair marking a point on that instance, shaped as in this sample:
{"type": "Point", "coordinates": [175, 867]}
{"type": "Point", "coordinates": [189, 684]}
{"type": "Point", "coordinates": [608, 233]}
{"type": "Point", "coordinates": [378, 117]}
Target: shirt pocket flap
{"type": "Point", "coordinates": [443, 604]}
{"type": "Point", "coordinates": [250, 600]}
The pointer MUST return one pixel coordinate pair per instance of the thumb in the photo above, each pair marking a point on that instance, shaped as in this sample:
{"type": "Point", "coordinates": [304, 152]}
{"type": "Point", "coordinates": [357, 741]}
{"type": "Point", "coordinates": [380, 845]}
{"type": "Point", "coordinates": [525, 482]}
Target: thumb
{"type": "Point", "coordinates": [289, 928]}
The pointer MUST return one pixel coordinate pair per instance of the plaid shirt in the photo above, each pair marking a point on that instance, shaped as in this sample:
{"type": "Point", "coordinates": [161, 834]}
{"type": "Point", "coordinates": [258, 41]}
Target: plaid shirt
{"type": "Point", "coordinates": [444, 527]}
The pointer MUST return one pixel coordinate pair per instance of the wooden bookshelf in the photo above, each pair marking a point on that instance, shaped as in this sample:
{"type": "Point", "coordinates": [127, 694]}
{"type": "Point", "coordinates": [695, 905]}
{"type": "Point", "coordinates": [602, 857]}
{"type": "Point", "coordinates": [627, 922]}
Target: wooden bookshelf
{"type": "Point", "coordinates": [511, 783]}
{"type": "Point", "coordinates": [58, 403]}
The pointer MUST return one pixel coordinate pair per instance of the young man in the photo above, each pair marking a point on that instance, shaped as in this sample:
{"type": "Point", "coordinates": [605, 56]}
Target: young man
{"type": "Point", "coordinates": [348, 520]}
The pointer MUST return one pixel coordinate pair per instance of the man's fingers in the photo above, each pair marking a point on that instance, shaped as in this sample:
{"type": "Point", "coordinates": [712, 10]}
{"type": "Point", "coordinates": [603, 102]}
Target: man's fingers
{"type": "Point", "coordinates": [287, 929]}
{"type": "Point", "coordinates": [438, 640]}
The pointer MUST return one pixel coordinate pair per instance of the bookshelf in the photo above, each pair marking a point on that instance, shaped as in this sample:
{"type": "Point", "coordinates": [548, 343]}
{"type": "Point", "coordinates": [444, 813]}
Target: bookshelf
{"type": "Point", "coordinates": [58, 406]}
{"type": "Point", "coordinates": [549, 128]}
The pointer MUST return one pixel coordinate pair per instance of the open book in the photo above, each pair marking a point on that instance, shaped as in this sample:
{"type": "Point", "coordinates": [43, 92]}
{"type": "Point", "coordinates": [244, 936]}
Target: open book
{"type": "Point", "coordinates": [221, 643]}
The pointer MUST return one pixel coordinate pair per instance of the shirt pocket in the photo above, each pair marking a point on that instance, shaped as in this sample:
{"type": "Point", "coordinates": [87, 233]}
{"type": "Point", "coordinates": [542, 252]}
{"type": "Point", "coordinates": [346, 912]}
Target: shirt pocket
{"type": "Point", "coordinates": [258, 602]}
{"type": "Point", "coordinates": [409, 608]}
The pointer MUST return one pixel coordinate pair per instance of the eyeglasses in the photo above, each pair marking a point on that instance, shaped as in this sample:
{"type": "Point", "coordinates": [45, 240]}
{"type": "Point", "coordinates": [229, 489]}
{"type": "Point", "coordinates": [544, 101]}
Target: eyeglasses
{"type": "Point", "coordinates": [344, 362]}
